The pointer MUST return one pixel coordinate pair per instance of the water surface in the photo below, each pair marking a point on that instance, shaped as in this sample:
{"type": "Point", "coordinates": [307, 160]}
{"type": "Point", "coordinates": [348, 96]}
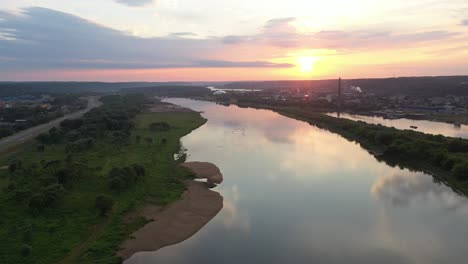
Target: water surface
{"type": "Point", "coordinates": [429, 127]}
{"type": "Point", "coordinates": [294, 193]}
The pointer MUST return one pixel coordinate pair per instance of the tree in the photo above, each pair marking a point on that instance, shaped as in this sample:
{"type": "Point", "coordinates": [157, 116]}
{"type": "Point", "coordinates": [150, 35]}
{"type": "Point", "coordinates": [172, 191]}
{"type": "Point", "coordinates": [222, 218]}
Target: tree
{"type": "Point", "coordinates": [138, 138]}
{"type": "Point", "coordinates": [104, 203]}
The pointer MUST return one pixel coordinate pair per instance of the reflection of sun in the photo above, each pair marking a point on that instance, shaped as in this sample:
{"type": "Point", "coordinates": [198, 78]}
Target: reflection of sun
{"type": "Point", "coordinates": [306, 64]}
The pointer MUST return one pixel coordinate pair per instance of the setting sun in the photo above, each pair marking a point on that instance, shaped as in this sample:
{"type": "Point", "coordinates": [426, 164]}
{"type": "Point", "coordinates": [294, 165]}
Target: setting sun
{"type": "Point", "coordinates": [306, 64]}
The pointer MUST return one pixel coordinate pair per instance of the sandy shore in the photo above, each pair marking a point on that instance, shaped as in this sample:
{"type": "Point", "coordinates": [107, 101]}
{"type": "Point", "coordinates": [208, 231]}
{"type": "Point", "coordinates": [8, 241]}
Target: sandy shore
{"type": "Point", "coordinates": [205, 170]}
{"type": "Point", "coordinates": [178, 221]}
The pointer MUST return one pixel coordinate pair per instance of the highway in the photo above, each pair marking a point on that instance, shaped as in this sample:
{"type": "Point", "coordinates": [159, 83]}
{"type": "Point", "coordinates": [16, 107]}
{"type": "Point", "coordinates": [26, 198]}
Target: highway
{"type": "Point", "coordinates": [30, 133]}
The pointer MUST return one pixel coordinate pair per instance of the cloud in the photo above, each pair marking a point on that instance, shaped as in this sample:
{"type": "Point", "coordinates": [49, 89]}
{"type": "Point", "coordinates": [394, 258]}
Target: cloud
{"type": "Point", "coordinates": [233, 39]}
{"type": "Point", "coordinates": [281, 32]}
{"type": "Point", "coordinates": [42, 38]}
{"type": "Point", "coordinates": [183, 34]}
{"type": "Point", "coordinates": [134, 3]}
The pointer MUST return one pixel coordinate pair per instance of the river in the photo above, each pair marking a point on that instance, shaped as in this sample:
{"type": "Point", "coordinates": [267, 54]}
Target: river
{"type": "Point", "coordinates": [294, 193]}
{"type": "Point", "coordinates": [428, 127]}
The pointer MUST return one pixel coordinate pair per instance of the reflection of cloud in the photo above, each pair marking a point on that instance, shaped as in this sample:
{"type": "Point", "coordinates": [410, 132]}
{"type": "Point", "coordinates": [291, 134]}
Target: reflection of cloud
{"type": "Point", "coordinates": [231, 217]}
{"type": "Point", "coordinates": [273, 127]}
{"type": "Point", "coordinates": [401, 189]}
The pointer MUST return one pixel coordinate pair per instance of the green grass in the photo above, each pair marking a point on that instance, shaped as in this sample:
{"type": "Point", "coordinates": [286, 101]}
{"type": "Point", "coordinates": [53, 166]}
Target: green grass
{"type": "Point", "coordinates": [73, 225]}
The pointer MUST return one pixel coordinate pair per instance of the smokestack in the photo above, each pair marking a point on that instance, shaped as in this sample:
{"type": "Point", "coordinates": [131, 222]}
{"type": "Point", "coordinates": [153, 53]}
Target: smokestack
{"type": "Point", "coordinates": [339, 94]}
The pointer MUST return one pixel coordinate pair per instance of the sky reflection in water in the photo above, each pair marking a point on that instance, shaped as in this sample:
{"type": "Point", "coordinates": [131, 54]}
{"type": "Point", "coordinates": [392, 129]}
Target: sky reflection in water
{"type": "Point", "coordinates": [296, 194]}
{"type": "Point", "coordinates": [429, 127]}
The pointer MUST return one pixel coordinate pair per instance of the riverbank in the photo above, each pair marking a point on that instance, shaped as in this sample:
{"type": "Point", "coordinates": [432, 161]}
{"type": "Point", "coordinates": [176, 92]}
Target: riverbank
{"type": "Point", "coordinates": [116, 137]}
{"type": "Point", "coordinates": [179, 220]}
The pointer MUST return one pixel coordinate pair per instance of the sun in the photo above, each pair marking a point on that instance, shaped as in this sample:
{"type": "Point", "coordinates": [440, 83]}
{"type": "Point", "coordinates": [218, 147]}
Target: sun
{"type": "Point", "coordinates": [306, 64]}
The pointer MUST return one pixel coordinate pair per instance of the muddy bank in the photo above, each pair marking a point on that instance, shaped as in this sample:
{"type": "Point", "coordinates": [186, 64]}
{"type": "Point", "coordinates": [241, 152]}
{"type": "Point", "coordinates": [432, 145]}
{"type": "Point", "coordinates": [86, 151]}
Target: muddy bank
{"type": "Point", "coordinates": [205, 170]}
{"type": "Point", "coordinates": [175, 223]}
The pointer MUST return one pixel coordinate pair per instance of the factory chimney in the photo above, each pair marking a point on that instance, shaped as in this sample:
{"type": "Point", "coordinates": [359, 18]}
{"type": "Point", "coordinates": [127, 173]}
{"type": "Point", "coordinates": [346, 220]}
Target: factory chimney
{"type": "Point", "coordinates": [339, 97]}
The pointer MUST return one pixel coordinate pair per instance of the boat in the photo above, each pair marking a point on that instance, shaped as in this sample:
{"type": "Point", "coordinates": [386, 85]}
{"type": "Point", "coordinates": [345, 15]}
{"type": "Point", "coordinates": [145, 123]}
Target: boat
{"type": "Point", "coordinates": [414, 127]}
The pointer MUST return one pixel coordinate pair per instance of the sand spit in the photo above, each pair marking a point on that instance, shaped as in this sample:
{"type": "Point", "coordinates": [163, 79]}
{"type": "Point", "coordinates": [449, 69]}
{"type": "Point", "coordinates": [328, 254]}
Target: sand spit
{"type": "Point", "coordinates": [178, 221]}
{"type": "Point", "coordinates": [205, 170]}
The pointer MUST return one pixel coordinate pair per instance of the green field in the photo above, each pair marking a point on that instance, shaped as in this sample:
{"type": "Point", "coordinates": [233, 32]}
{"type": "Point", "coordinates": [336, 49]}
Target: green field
{"type": "Point", "coordinates": [72, 231]}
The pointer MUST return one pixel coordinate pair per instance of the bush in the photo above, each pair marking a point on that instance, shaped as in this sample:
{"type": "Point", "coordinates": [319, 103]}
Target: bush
{"type": "Point", "coordinates": [384, 137]}
{"type": "Point", "coordinates": [40, 148]}
{"type": "Point", "coordinates": [71, 123]}
{"type": "Point", "coordinates": [121, 178]}
{"type": "Point", "coordinates": [160, 126]}
{"type": "Point", "coordinates": [103, 203]}
{"type": "Point", "coordinates": [25, 250]}
{"type": "Point", "coordinates": [46, 197]}
{"type": "Point", "coordinates": [460, 171]}
{"type": "Point", "coordinates": [79, 145]}
{"type": "Point", "coordinates": [458, 145]}
{"type": "Point", "coordinates": [5, 132]}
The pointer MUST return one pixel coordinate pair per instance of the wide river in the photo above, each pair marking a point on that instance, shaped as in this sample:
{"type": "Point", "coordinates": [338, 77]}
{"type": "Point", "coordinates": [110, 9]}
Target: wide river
{"type": "Point", "coordinates": [428, 127]}
{"type": "Point", "coordinates": [294, 193]}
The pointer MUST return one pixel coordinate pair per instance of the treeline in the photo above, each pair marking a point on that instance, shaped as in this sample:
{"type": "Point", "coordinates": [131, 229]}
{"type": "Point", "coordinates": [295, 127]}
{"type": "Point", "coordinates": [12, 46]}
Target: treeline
{"type": "Point", "coordinates": [37, 88]}
{"type": "Point", "coordinates": [171, 91]}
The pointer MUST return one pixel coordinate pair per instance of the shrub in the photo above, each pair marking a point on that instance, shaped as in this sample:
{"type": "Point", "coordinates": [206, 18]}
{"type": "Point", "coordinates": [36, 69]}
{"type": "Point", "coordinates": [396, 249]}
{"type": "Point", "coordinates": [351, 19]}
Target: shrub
{"type": "Point", "coordinates": [460, 171]}
{"type": "Point", "coordinates": [458, 145]}
{"type": "Point", "coordinates": [25, 250]}
{"type": "Point", "coordinates": [120, 178]}
{"type": "Point", "coordinates": [160, 126]}
{"type": "Point", "coordinates": [5, 132]}
{"type": "Point", "coordinates": [103, 203]}
{"type": "Point", "coordinates": [40, 148]}
{"type": "Point", "coordinates": [46, 197]}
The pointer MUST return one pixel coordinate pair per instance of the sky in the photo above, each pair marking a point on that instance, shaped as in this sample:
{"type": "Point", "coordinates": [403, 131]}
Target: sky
{"type": "Point", "coordinates": [224, 40]}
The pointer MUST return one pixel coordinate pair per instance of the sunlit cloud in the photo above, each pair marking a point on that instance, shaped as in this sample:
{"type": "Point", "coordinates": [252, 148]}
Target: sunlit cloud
{"type": "Point", "coordinates": [37, 41]}
{"type": "Point", "coordinates": [353, 40]}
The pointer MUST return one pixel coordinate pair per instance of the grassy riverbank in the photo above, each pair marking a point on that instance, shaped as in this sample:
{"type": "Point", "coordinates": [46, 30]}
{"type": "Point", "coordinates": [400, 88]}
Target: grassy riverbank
{"type": "Point", "coordinates": [48, 190]}
{"type": "Point", "coordinates": [444, 157]}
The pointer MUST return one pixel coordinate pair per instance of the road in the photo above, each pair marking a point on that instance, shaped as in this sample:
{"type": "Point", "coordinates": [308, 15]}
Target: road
{"type": "Point", "coordinates": [30, 133]}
